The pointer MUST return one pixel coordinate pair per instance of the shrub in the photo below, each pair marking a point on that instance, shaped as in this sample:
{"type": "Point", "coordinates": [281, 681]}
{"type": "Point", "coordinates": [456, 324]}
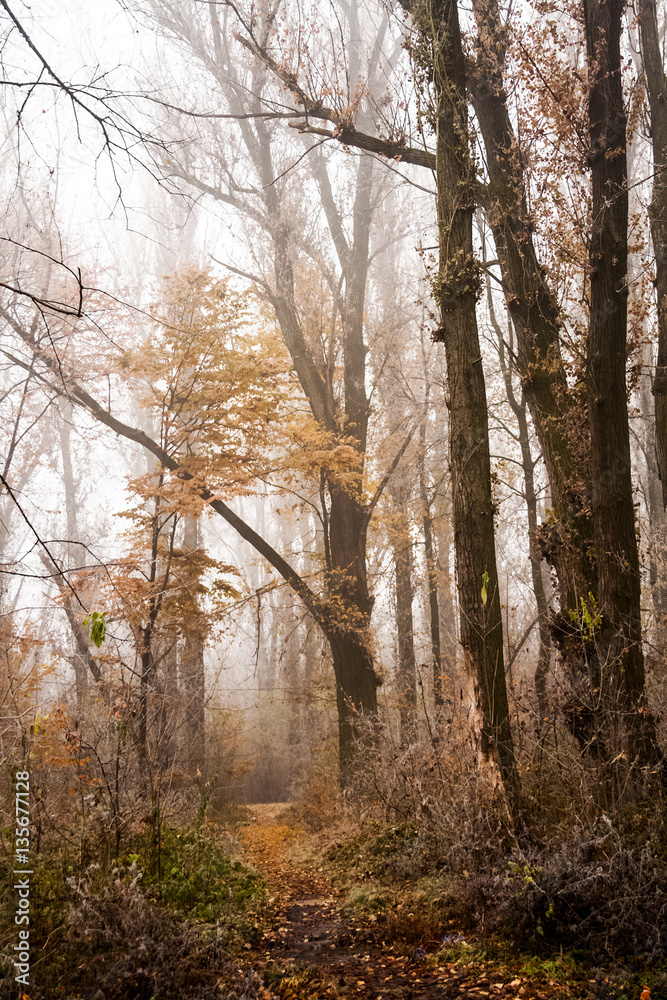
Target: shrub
{"type": "Point", "coordinates": [587, 896]}
{"type": "Point", "coordinates": [142, 930]}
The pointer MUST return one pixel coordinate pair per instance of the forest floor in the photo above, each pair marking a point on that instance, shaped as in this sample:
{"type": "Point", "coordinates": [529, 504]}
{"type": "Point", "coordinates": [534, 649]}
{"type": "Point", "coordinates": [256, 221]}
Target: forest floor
{"type": "Point", "coordinates": [317, 947]}
{"type": "Point", "coordinates": [282, 902]}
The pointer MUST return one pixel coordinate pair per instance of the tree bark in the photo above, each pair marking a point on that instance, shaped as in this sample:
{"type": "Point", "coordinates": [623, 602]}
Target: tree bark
{"type": "Point", "coordinates": [356, 698]}
{"type": "Point", "coordinates": [448, 612]}
{"type": "Point", "coordinates": [457, 288]}
{"type": "Point", "coordinates": [406, 667]}
{"type": "Point", "coordinates": [619, 639]}
{"type": "Point", "coordinates": [342, 409]}
{"type": "Point", "coordinates": [147, 633]}
{"type": "Point", "coordinates": [347, 632]}
{"type": "Point", "coordinates": [431, 575]}
{"type": "Point", "coordinates": [558, 417]}
{"type": "Point", "coordinates": [167, 700]}
{"type": "Point", "coordinates": [657, 535]}
{"type": "Point", "coordinates": [192, 667]}
{"type": "Point", "coordinates": [349, 598]}
{"type": "Point", "coordinates": [79, 662]}
{"type": "Point", "coordinates": [656, 86]}
{"type": "Point", "coordinates": [528, 467]}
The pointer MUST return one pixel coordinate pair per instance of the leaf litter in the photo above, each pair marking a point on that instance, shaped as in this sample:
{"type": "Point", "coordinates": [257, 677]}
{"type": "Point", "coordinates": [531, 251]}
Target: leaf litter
{"type": "Point", "coordinates": [314, 948]}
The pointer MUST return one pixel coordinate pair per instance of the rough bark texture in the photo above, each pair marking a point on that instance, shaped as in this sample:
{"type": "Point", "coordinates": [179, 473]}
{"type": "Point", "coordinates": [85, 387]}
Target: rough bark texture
{"type": "Point", "coordinates": [619, 638]}
{"type": "Point", "coordinates": [356, 697]}
{"type": "Point", "coordinates": [656, 86]}
{"type": "Point", "coordinates": [457, 288]}
{"type": "Point", "coordinates": [351, 606]}
{"type": "Point", "coordinates": [559, 419]}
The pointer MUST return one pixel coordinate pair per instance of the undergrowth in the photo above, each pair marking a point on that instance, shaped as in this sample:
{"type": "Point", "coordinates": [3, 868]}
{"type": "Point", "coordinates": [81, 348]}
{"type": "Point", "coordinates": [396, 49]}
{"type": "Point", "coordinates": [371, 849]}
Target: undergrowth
{"type": "Point", "coordinates": [573, 922]}
{"type": "Point", "coordinates": [160, 923]}
{"type": "Point", "coordinates": [574, 892]}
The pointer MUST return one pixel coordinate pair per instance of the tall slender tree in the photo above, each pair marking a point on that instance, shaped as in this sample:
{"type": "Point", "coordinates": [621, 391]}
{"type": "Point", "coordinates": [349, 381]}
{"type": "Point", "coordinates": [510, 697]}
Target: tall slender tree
{"type": "Point", "coordinates": [336, 393]}
{"type": "Point", "coordinates": [656, 87]}
{"type": "Point", "coordinates": [612, 509]}
{"type": "Point", "coordinates": [456, 289]}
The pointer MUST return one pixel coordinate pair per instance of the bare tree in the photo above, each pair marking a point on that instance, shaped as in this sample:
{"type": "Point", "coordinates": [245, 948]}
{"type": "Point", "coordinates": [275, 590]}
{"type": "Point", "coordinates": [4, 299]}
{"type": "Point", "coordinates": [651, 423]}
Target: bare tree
{"type": "Point", "coordinates": [338, 402]}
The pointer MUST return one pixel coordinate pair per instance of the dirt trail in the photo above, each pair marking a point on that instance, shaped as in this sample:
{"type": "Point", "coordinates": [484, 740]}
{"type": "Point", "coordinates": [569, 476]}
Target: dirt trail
{"type": "Point", "coordinates": [313, 933]}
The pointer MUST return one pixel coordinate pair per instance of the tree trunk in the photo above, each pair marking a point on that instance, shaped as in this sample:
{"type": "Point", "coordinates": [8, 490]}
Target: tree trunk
{"type": "Point", "coordinates": [558, 417]}
{"type": "Point", "coordinates": [657, 554]}
{"type": "Point", "coordinates": [657, 528]}
{"type": "Point", "coordinates": [544, 649]}
{"type": "Point", "coordinates": [431, 575]}
{"type": "Point", "coordinates": [356, 680]}
{"type": "Point", "coordinates": [430, 555]}
{"type": "Point", "coordinates": [448, 613]}
{"type": "Point", "coordinates": [528, 467]}
{"type": "Point", "coordinates": [192, 667]}
{"type": "Point", "coordinates": [70, 549]}
{"type": "Point", "coordinates": [146, 681]}
{"type": "Point", "coordinates": [341, 409]}
{"type": "Point", "coordinates": [74, 617]}
{"type": "Point", "coordinates": [433, 610]}
{"type": "Point", "coordinates": [619, 639]}
{"type": "Point", "coordinates": [407, 666]}
{"type": "Point", "coordinates": [167, 701]}
{"type": "Point", "coordinates": [656, 86]}
{"type": "Point", "coordinates": [458, 285]}
{"type": "Point", "coordinates": [146, 634]}
{"type": "Point", "coordinates": [356, 698]}
{"type": "Point", "coordinates": [347, 519]}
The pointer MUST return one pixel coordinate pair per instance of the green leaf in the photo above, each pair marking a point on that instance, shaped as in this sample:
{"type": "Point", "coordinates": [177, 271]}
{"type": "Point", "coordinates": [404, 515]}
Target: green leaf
{"type": "Point", "coordinates": [98, 627]}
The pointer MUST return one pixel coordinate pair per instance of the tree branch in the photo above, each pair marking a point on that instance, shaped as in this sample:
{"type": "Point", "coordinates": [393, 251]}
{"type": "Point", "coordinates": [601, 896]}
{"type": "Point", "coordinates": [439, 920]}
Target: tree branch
{"type": "Point", "coordinates": [319, 610]}
{"type": "Point", "coordinates": [343, 132]}
{"type": "Point", "coordinates": [373, 502]}
{"type": "Point", "coordinates": [74, 623]}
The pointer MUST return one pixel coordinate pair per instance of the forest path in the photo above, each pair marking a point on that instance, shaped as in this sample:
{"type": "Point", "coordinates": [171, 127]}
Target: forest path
{"type": "Point", "coordinates": [317, 949]}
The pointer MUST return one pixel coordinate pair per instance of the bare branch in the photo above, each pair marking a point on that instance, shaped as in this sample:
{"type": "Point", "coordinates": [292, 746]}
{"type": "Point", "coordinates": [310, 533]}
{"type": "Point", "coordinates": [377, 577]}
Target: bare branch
{"type": "Point", "coordinates": [343, 131]}
{"type": "Point", "coordinates": [372, 504]}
